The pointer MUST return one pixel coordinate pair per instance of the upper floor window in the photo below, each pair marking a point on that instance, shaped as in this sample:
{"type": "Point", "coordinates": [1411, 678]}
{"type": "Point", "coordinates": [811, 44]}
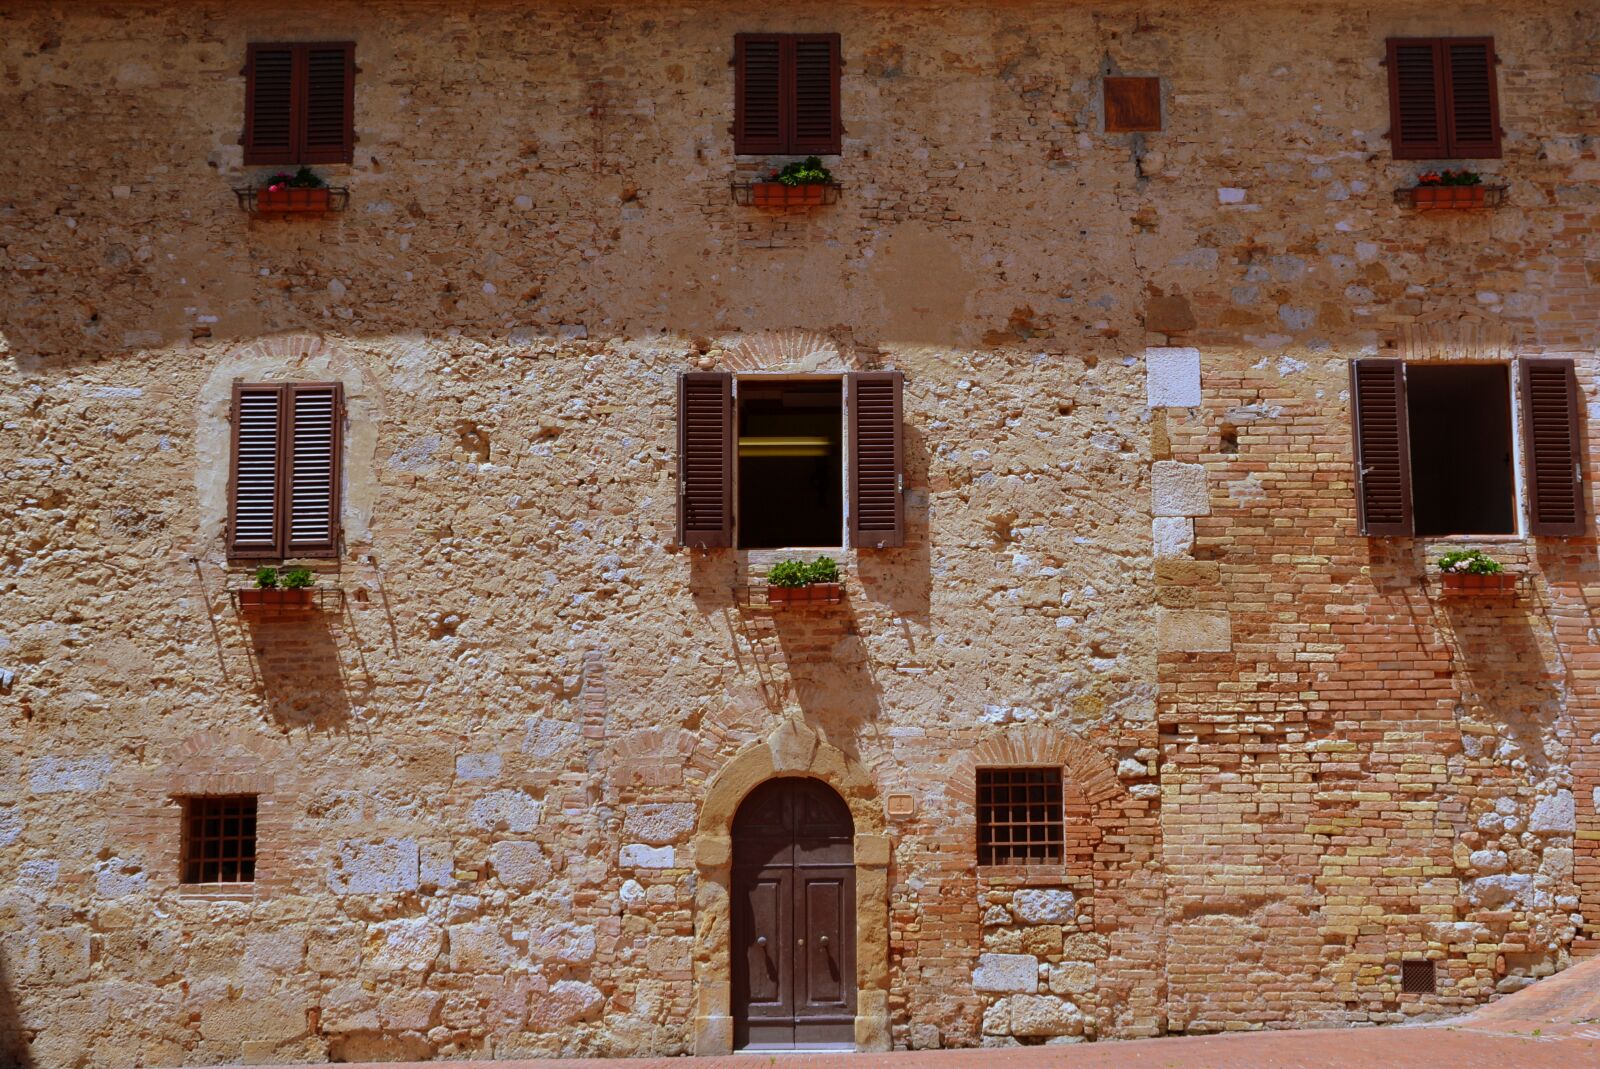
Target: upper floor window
{"type": "Point", "coordinates": [786, 94]}
{"type": "Point", "coordinates": [299, 103]}
{"type": "Point", "coordinates": [772, 462]}
{"type": "Point", "coordinates": [283, 492]}
{"type": "Point", "coordinates": [1435, 448]}
{"type": "Point", "coordinates": [1442, 100]}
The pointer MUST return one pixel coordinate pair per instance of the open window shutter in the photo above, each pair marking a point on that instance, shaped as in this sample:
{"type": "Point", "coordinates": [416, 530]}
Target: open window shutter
{"type": "Point", "coordinates": [816, 94]}
{"type": "Point", "coordinates": [1383, 449]}
{"type": "Point", "coordinates": [1473, 130]}
{"type": "Point", "coordinates": [330, 81]}
{"type": "Point", "coordinates": [1416, 99]}
{"type": "Point", "coordinates": [270, 133]}
{"type": "Point", "coordinates": [312, 514]}
{"type": "Point", "coordinates": [758, 94]}
{"type": "Point", "coordinates": [1551, 404]}
{"type": "Point", "coordinates": [705, 459]}
{"type": "Point", "coordinates": [877, 460]}
{"type": "Point", "coordinates": [255, 505]}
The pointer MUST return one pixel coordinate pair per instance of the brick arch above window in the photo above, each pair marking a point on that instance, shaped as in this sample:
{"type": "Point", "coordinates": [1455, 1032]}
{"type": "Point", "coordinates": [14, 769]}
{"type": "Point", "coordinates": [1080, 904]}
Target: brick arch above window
{"type": "Point", "coordinates": [1086, 766]}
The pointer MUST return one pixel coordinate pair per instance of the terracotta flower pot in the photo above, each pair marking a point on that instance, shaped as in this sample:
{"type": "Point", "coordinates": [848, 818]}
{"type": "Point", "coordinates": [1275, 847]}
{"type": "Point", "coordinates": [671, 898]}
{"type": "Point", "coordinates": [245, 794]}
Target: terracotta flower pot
{"type": "Point", "coordinates": [1449, 197]}
{"type": "Point", "coordinates": [1465, 583]}
{"type": "Point", "coordinates": [270, 601]}
{"type": "Point", "coordinates": [778, 195]}
{"type": "Point", "coordinates": [813, 594]}
{"type": "Point", "coordinates": [293, 199]}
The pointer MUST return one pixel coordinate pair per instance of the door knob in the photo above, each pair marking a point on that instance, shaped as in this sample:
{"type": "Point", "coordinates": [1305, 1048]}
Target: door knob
{"type": "Point", "coordinates": [800, 942]}
{"type": "Point", "coordinates": [823, 940]}
{"type": "Point", "coordinates": [761, 941]}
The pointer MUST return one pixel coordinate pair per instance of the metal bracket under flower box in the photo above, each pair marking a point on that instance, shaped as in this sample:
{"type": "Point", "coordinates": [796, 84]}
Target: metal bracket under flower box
{"type": "Point", "coordinates": [1432, 198]}
{"type": "Point", "coordinates": [778, 195]}
{"type": "Point", "coordinates": [256, 603]}
{"type": "Point", "coordinates": [294, 200]}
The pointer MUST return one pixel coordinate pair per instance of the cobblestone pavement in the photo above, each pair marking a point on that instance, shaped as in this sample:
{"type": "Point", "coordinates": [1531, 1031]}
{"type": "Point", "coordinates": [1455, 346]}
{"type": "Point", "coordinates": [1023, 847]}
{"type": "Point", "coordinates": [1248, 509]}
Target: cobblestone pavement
{"type": "Point", "coordinates": [1555, 1024]}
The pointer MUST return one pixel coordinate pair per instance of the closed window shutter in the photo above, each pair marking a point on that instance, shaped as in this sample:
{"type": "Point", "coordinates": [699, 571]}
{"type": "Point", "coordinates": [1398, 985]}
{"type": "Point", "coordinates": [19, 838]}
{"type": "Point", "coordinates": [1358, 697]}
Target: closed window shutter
{"type": "Point", "coordinates": [1416, 99]}
{"type": "Point", "coordinates": [705, 459]}
{"type": "Point", "coordinates": [314, 415]}
{"type": "Point", "coordinates": [1473, 130]}
{"type": "Point", "coordinates": [270, 130]}
{"type": "Point", "coordinates": [255, 504]}
{"type": "Point", "coordinates": [329, 103]}
{"type": "Point", "coordinates": [877, 460]}
{"type": "Point", "coordinates": [816, 94]}
{"type": "Point", "coordinates": [1551, 406]}
{"type": "Point", "coordinates": [1382, 447]}
{"type": "Point", "coordinates": [758, 126]}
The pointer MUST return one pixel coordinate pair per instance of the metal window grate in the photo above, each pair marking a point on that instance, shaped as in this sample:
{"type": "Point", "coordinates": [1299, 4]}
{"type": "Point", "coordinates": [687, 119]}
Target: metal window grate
{"type": "Point", "coordinates": [219, 839]}
{"type": "Point", "coordinates": [1019, 816]}
{"type": "Point", "coordinates": [1418, 977]}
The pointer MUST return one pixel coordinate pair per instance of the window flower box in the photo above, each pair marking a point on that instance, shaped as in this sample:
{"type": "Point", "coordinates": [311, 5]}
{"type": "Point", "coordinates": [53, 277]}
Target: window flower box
{"type": "Point", "coordinates": [1450, 190]}
{"type": "Point", "coordinates": [1500, 584]}
{"type": "Point", "coordinates": [265, 603]}
{"type": "Point", "coordinates": [811, 594]}
{"type": "Point", "coordinates": [299, 192]}
{"type": "Point", "coordinates": [799, 185]}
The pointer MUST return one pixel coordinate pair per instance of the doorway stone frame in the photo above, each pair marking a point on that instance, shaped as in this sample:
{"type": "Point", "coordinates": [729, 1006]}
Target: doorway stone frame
{"type": "Point", "coordinates": [792, 750]}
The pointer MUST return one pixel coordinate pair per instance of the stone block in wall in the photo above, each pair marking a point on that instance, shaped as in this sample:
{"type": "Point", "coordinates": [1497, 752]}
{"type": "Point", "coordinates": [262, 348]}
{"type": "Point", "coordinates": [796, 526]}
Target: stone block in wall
{"type": "Point", "coordinates": [659, 824]}
{"type": "Point", "coordinates": [566, 1003]}
{"type": "Point", "coordinates": [510, 810]}
{"type": "Point", "coordinates": [10, 825]}
{"type": "Point", "coordinates": [64, 775]}
{"type": "Point", "coordinates": [566, 942]}
{"type": "Point", "coordinates": [1006, 973]}
{"type": "Point", "coordinates": [270, 1019]}
{"type": "Point", "coordinates": [1193, 631]}
{"type": "Point", "coordinates": [1044, 905]}
{"type": "Point", "coordinates": [519, 864]}
{"type": "Point", "coordinates": [388, 866]}
{"type": "Point", "coordinates": [480, 948]}
{"type": "Point", "coordinates": [409, 944]}
{"type": "Point", "coordinates": [1044, 1016]}
{"type": "Point", "coordinates": [477, 766]}
{"type": "Point", "coordinates": [1172, 536]}
{"type": "Point", "coordinates": [1553, 814]}
{"type": "Point", "coordinates": [1072, 978]}
{"type": "Point", "coordinates": [1172, 377]}
{"type": "Point", "coordinates": [642, 856]}
{"type": "Point", "coordinates": [1178, 489]}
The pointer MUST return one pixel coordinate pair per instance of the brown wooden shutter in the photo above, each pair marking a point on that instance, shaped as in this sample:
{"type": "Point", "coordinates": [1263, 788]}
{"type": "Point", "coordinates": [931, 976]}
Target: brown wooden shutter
{"type": "Point", "coordinates": [255, 501]}
{"type": "Point", "coordinates": [877, 460]}
{"type": "Point", "coordinates": [1551, 414]}
{"type": "Point", "coordinates": [1416, 98]}
{"type": "Point", "coordinates": [1382, 447]}
{"type": "Point", "coordinates": [314, 415]}
{"type": "Point", "coordinates": [1471, 104]}
{"type": "Point", "coordinates": [1132, 105]}
{"type": "Point", "coordinates": [270, 128]}
{"type": "Point", "coordinates": [705, 459]}
{"type": "Point", "coordinates": [814, 60]}
{"type": "Point", "coordinates": [330, 80]}
{"type": "Point", "coordinates": [758, 126]}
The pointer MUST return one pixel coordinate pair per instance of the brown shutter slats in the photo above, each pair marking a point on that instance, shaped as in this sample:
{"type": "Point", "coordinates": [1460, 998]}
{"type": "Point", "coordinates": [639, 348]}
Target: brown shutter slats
{"type": "Point", "coordinates": [816, 94]}
{"type": "Point", "coordinates": [312, 518]}
{"type": "Point", "coordinates": [705, 459]}
{"type": "Point", "coordinates": [255, 507]}
{"type": "Point", "coordinates": [269, 135]}
{"type": "Point", "coordinates": [329, 95]}
{"type": "Point", "coordinates": [758, 94]}
{"type": "Point", "coordinates": [1416, 96]}
{"type": "Point", "coordinates": [1551, 413]}
{"type": "Point", "coordinates": [1474, 128]}
{"type": "Point", "coordinates": [1382, 447]}
{"type": "Point", "coordinates": [877, 500]}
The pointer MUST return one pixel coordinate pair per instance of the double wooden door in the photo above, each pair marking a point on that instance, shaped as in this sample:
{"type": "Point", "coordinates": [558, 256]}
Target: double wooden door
{"type": "Point", "coordinates": [794, 918]}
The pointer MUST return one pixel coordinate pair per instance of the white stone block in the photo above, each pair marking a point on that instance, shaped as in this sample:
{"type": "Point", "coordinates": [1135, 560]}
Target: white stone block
{"type": "Point", "coordinates": [515, 811]}
{"type": "Point", "coordinates": [566, 1003]}
{"type": "Point", "coordinates": [388, 866]}
{"type": "Point", "coordinates": [1179, 489]}
{"type": "Point", "coordinates": [62, 775]}
{"type": "Point", "coordinates": [1045, 905]}
{"type": "Point", "coordinates": [1230, 195]}
{"type": "Point", "coordinates": [641, 856]}
{"type": "Point", "coordinates": [571, 943]}
{"type": "Point", "coordinates": [1554, 813]}
{"type": "Point", "coordinates": [518, 864]}
{"type": "Point", "coordinates": [471, 766]}
{"type": "Point", "coordinates": [662, 823]}
{"type": "Point", "coordinates": [406, 945]}
{"type": "Point", "coordinates": [1173, 536]}
{"type": "Point", "coordinates": [1044, 1015]}
{"type": "Point", "coordinates": [1172, 377]}
{"type": "Point", "coordinates": [1193, 631]}
{"type": "Point", "coordinates": [1006, 972]}
{"type": "Point", "coordinates": [10, 825]}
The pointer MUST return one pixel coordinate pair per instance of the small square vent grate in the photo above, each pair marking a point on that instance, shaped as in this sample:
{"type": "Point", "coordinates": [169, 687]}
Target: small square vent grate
{"type": "Point", "coordinates": [1418, 977]}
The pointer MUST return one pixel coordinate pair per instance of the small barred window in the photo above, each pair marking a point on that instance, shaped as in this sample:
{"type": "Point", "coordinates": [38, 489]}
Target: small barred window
{"type": "Point", "coordinates": [1019, 816]}
{"type": "Point", "coordinates": [219, 839]}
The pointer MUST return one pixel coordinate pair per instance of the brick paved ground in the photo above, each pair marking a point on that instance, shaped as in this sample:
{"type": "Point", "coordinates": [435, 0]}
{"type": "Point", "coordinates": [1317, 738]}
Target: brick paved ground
{"type": "Point", "coordinates": [1553, 1025]}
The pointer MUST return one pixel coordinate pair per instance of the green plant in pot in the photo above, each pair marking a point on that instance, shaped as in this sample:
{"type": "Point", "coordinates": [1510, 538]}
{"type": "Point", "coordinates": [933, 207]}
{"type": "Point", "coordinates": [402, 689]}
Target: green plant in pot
{"type": "Point", "coordinates": [790, 581]}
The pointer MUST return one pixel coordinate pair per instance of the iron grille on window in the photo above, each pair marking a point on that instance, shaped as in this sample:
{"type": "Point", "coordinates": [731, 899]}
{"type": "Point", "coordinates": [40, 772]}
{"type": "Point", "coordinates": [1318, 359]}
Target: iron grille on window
{"type": "Point", "coordinates": [1418, 977]}
{"type": "Point", "coordinates": [219, 840]}
{"type": "Point", "coordinates": [1019, 816]}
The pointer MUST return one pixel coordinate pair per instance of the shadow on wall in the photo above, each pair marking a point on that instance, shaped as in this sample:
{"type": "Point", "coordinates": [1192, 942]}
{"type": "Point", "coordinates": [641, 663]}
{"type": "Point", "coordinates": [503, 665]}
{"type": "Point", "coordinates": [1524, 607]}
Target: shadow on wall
{"type": "Point", "coordinates": [15, 1048]}
{"type": "Point", "coordinates": [901, 580]}
{"type": "Point", "coordinates": [299, 674]}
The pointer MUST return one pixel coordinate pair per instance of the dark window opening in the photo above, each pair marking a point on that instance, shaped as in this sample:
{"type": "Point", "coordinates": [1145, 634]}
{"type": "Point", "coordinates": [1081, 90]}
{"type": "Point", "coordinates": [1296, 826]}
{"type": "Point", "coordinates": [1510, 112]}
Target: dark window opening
{"type": "Point", "coordinates": [219, 839]}
{"type": "Point", "coordinates": [1019, 816]}
{"type": "Point", "coordinates": [1462, 482]}
{"type": "Point", "coordinates": [791, 465]}
{"type": "Point", "coordinates": [1418, 977]}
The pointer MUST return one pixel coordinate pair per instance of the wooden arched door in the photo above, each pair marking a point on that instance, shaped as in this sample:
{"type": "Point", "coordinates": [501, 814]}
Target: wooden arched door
{"type": "Point", "coordinates": [794, 918]}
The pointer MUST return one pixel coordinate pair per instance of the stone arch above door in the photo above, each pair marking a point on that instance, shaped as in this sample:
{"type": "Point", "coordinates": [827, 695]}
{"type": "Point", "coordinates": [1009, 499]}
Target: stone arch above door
{"type": "Point", "coordinates": [793, 749]}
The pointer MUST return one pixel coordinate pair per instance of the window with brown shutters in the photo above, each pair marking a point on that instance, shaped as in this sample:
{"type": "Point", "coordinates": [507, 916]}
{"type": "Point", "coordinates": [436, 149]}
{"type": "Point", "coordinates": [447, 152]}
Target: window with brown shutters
{"type": "Point", "coordinates": [786, 94]}
{"type": "Point", "coordinates": [1383, 465]}
{"type": "Point", "coordinates": [1552, 445]}
{"type": "Point", "coordinates": [286, 470]}
{"type": "Point", "coordinates": [299, 103]}
{"type": "Point", "coordinates": [1442, 98]}
{"type": "Point", "coordinates": [769, 462]}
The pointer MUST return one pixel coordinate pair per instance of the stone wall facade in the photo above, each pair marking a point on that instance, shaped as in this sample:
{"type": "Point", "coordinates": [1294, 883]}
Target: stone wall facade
{"type": "Point", "coordinates": [496, 785]}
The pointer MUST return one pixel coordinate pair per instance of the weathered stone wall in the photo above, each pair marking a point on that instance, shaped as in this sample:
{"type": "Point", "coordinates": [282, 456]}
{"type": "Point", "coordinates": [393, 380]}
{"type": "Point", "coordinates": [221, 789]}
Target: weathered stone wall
{"type": "Point", "coordinates": [1131, 547]}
